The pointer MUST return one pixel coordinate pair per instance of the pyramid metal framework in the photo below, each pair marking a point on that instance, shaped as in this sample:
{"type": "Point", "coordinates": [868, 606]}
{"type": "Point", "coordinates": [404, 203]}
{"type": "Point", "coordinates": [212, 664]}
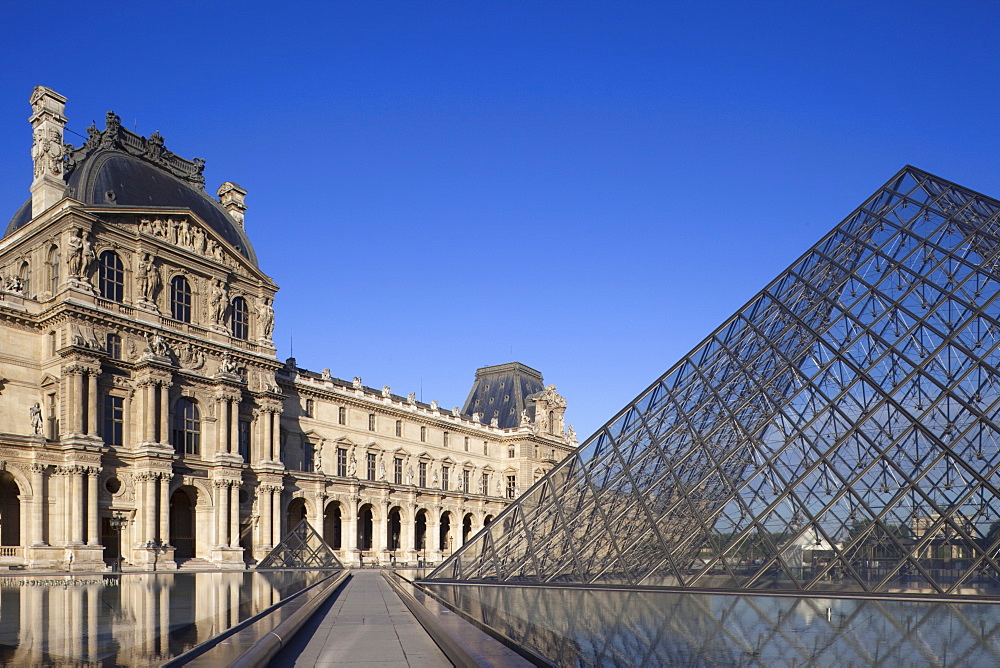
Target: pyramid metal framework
{"type": "Point", "coordinates": [303, 547]}
{"type": "Point", "coordinates": [840, 432]}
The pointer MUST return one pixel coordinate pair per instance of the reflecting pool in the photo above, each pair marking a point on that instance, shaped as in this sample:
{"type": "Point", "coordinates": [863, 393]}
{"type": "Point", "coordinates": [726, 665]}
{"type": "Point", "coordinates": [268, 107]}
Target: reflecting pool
{"type": "Point", "coordinates": [130, 619]}
{"type": "Point", "coordinates": [648, 628]}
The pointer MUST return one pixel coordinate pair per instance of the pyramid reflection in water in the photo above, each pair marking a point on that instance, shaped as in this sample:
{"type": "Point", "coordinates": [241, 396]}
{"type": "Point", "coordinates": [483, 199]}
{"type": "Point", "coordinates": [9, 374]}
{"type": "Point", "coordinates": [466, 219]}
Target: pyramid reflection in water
{"type": "Point", "coordinates": [840, 432]}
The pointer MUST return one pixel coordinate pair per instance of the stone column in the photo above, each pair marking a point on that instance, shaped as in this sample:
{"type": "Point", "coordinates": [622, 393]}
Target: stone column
{"type": "Point", "coordinates": [234, 426]}
{"type": "Point", "coordinates": [234, 515]}
{"type": "Point", "coordinates": [127, 436]}
{"type": "Point", "coordinates": [164, 413]}
{"type": "Point", "coordinates": [65, 502]}
{"type": "Point", "coordinates": [92, 403]}
{"type": "Point", "coordinates": [149, 530]}
{"type": "Point", "coordinates": [164, 481]}
{"type": "Point", "coordinates": [267, 447]}
{"type": "Point", "coordinates": [433, 537]}
{"type": "Point", "coordinates": [407, 531]}
{"type": "Point", "coordinates": [149, 412]}
{"type": "Point", "coordinates": [264, 508]}
{"type": "Point", "coordinates": [77, 402]}
{"type": "Point", "coordinates": [276, 516]}
{"type": "Point", "coordinates": [77, 508]}
{"type": "Point", "coordinates": [93, 534]}
{"type": "Point", "coordinates": [220, 424]}
{"type": "Point", "coordinates": [221, 513]}
{"type": "Point", "coordinates": [349, 529]}
{"type": "Point", "coordinates": [38, 503]}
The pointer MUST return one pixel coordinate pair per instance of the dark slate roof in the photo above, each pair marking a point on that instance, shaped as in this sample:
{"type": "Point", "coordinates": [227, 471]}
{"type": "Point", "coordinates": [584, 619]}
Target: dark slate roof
{"type": "Point", "coordinates": [502, 391]}
{"type": "Point", "coordinates": [118, 168]}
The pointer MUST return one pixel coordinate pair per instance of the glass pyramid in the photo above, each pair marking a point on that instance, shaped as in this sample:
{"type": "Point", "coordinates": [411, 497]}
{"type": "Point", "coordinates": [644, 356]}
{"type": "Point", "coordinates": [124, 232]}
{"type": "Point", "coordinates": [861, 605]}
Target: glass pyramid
{"type": "Point", "coordinates": [303, 547]}
{"type": "Point", "coordinates": [840, 432]}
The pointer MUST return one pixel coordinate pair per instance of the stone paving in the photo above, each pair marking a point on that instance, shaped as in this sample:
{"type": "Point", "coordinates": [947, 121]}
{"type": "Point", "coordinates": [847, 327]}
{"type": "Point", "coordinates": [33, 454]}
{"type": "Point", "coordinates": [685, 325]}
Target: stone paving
{"type": "Point", "coordinates": [367, 625]}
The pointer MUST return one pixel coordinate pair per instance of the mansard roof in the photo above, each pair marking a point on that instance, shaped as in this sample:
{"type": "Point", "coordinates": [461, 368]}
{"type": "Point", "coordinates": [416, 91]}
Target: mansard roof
{"type": "Point", "coordinates": [116, 167]}
{"type": "Point", "coordinates": [501, 391]}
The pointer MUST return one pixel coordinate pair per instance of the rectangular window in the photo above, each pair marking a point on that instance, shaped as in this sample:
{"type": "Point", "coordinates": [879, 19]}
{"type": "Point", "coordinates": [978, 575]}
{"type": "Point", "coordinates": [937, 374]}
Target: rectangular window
{"type": "Point", "coordinates": [307, 456]}
{"type": "Point", "coordinates": [341, 415]}
{"type": "Point", "coordinates": [397, 470]}
{"type": "Point", "coordinates": [244, 440]}
{"type": "Point", "coordinates": [309, 408]}
{"type": "Point", "coordinates": [422, 479]}
{"type": "Point", "coordinates": [465, 481]}
{"type": "Point", "coordinates": [484, 484]}
{"type": "Point", "coordinates": [511, 486]}
{"type": "Point", "coordinates": [371, 465]}
{"type": "Point", "coordinates": [486, 448]}
{"type": "Point", "coordinates": [423, 434]}
{"type": "Point", "coordinates": [342, 462]}
{"type": "Point", "coordinates": [371, 422]}
{"type": "Point", "coordinates": [510, 452]}
{"type": "Point", "coordinates": [399, 427]}
{"type": "Point", "coordinates": [114, 420]}
{"type": "Point", "coordinates": [444, 439]}
{"type": "Point", "coordinates": [53, 420]}
{"type": "Point", "coordinates": [114, 346]}
{"type": "Point", "coordinates": [466, 443]}
{"type": "Point", "coordinates": [445, 470]}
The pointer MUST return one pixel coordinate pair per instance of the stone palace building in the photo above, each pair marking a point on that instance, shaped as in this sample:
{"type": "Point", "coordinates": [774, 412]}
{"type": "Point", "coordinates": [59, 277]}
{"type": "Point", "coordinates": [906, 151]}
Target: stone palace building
{"type": "Point", "coordinates": [138, 378]}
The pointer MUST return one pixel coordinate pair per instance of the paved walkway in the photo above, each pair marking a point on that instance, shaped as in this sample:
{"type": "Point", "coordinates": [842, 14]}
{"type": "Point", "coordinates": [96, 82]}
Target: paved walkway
{"type": "Point", "coordinates": [367, 625]}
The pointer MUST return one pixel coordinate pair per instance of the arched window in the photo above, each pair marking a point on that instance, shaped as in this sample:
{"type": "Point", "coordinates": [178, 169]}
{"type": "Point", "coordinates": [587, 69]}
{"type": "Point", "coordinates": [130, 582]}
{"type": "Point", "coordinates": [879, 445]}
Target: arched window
{"type": "Point", "coordinates": [186, 434]}
{"type": "Point", "coordinates": [111, 277]}
{"type": "Point", "coordinates": [241, 319]}
{"type": "Point", "coordinates": [180, 299]}
{"type": "Point", "coordinates": [53, 262]}
{"type": "Point", "coordinates": [25, 275]}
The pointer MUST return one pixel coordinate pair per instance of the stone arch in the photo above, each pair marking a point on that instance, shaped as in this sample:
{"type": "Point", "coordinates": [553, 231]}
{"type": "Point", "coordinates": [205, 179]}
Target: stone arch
{"type": "Point", "coordinates": [333, 518]}
{"type": "Point", "coordinates": [366, 527]}
{"type": "Point", "coordinates": [468, 527]}
{"type": "Point", "coordinates": [420, 537]}
{"type": "Point", "coordinates": [183, 521]}
{"type": "Point", "coordinates": [10, 510]}
{"type": "Point", "coordinates": [205, 499]}
{"type": "Point", "coordinates": [297, 511]}
{"type": "Point", "coordinates": [394, 529]}
{"type": "Point", "coordinates": [445, 533]}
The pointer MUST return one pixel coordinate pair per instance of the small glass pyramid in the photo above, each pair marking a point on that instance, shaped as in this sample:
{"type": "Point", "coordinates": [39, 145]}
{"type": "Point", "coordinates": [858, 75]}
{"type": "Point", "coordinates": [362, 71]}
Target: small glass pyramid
{"type": "Point", "coordinates": [840, 432]}
{"type": "Point", "coordinates": [303, 547]}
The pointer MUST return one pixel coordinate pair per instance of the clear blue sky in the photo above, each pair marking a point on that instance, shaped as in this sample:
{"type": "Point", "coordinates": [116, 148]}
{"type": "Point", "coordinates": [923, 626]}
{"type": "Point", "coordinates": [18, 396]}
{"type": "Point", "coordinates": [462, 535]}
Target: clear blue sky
{"type": "Point", "coordinates": [588, 188]}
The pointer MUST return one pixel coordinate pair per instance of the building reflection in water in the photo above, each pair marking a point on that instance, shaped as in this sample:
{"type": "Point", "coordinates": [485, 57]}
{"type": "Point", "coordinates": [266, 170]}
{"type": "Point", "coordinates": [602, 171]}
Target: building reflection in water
{"type": "Point", "coordinates": [129, 620]}
{"type": "Point", "coordinates": [614, 627]}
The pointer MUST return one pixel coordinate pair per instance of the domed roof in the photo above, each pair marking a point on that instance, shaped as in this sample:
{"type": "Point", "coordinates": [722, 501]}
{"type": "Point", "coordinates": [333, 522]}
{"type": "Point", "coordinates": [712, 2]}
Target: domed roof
{"type": "Point", "coordinates": [118, 168]}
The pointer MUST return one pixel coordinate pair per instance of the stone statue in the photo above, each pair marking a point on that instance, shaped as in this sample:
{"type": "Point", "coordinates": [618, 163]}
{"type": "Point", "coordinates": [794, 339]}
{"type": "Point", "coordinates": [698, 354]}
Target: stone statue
{"type": "Point", "coordinates": [149, 278]}
{"type": "Point", "coordinates": [495, 422]}
{"type": "Point", "coordinates": [434, 405]}
{"type": "Point", "coordinates": [482, 486]}
{"type": "Point", "coordinates": [386, 391]}
{"type": "Point", "coordinates": [352, 467]}
{"type": "Point", "coordinates": [356, 383]}
{"type": "Point", "coordinates": [411, 398]}
{"type": "Point", "coordinates": [381, 470]}
{"type": "Point", "coordinates": [219, 302]}
{"type": "Point", "coordinates": [409, 475]}
{"type": "Point", "coordinates": [36, 418]}
{"type": "Point", "coordinates": [434, 479]}
{"type": "Point", "coordinates": [499, 487]}
{"type": "Point", "coordinates": [267, 320]}
{"type": "Point", "coordinates": [572, 433]}
{"type": "Point", "coordinates": [48, 152]}
{"type": "Point", "coordinates": [525, 418]}
{"type": "Point", "coordinates": [75, 257]}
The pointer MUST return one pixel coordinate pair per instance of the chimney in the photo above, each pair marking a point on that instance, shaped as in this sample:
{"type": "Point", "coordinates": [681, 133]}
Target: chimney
{"type": "Point", "coordinates": [232, 197]}
{"type": "Point", "coordinates": [47, 150]}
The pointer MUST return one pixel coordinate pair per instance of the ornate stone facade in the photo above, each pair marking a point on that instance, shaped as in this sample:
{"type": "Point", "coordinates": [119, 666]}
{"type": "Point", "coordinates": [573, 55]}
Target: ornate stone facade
{"type": "Point", "coordinates": [138, 376]}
